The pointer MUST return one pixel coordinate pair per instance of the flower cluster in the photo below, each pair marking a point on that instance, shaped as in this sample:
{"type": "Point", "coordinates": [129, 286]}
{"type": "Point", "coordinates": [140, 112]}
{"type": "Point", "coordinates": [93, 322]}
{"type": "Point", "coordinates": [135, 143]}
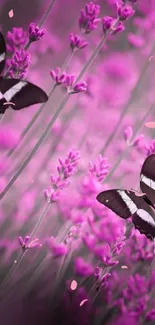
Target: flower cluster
{"type": "Point", "coordinates": [99, 168]}
{"type": "Point", "coordinates": [68, 80]}
{"type": "Point", "coordinates": [82, 267]}
{"type": "Point", "coordinates": [57, 249]}
{"type": "Point", "coordinates": [65, 170]}
{"type": "Point", "coordinates": [26, 243]}
{"type": "Point", "coordinates": [35, 33]}
{"type": "Point", "coordinates": [128, 136]}
{"type": "Point", "coordinates": [19, 64]}
{"type": "Point", "coordinates": [89, 20]}
{"type": "Point", "coordinates": [150, 148]}
{"type": "Point", "coordinates": [77, 42]}
{"type": "Point", "coordinates": [16, 39]}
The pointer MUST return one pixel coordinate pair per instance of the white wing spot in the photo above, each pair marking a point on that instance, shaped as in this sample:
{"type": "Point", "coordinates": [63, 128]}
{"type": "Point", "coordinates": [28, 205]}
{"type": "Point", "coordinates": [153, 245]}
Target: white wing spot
{"type": "Point", "coordinates": [149, 182]}
{"type": "Point", "coordinates": [130, 204]}
{"type": "Point", "coordinates": [8, 95]}
{"type": "Point", "coordinates": [144, 215]}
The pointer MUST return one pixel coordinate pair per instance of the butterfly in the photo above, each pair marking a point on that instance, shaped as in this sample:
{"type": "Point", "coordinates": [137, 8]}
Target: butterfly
{"type": "Point", "coordinates": [15, 92]}
{"type": "Point", "coordinates": [127, 203]}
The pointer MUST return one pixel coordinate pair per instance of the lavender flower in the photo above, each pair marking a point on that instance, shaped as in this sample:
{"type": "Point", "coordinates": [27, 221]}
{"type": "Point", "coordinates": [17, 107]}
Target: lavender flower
{"type": "Point", "coordinates": [35, 33]}
{"type": "Point", "coordinates": [16, 38]}
{"type": "Point", "coordinates": [150, 148]}
{"type": "Point", "coordinates": [65, 169]}
{"type": "Point", "coordinates": [125, 12]}
{"type": "Point", "coordinates": [100, 168]}
{"type": "Point", "coordinates": [112, 26]}
{"type": "Point", "coordinates": [74, 88]}
{"type": "Point", "coordinates": [82, 268]}
{"type": "Point", "coordinates": [19, 64]}
{"type": "Point", "coordinates": [57, 76]}
{"type": "Point", "coordinates": [26, 244]}
{"type": "Point", "coordinates": [107, 23]}
{"type": "Point", "coordinates": [68, 80]}
{"type": "Point", "coordinates": [88, 20]}
{"type": "Point", "coordinates": [57, 249]}
{"type": "Point", "coordinates": [128, 132]}
{"type": "Point", "coordinates": [77, 42]}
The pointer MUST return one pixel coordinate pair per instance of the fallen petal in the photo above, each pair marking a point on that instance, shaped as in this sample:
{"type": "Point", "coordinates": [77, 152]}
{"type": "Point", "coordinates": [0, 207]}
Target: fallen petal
{"type": "Point", "coordinates": [150, 125]}
{"type": "Point", "coordinates": [73, 285]}
{"type": "Point", "coordinates": [11, 13]}
{"type": "Point", "coordinates": [82, 302]}
{"type": "Point", "coordinates": [124, 267]}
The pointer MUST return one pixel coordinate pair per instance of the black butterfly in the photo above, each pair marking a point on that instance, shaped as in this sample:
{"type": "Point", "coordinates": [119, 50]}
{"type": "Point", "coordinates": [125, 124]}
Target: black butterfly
{"type": "Point", "coordinates": [126, 203]}
{"type": "Point", "coordinates": [15, 92]}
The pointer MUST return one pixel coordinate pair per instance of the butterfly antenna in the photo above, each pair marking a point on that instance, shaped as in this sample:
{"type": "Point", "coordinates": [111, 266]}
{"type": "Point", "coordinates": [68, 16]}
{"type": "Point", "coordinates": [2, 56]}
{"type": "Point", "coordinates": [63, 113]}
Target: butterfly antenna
{"type": "Point", "coordinates": [152, 263]}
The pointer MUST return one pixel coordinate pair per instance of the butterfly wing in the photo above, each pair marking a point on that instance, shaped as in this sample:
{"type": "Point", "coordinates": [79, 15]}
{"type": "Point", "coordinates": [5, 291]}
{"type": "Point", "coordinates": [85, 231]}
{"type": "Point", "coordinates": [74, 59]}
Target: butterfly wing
{"type": "Point", "coordinates": [2, 53]}
{"type": "Point", "coordinates": [21, 93]}
{"type": "Point", "coordinates": [122, 202]}
{"type": "Point", "coordinates": [126, 204]}
{"type": "Point", "coordinates": [147, 178]}
{"type": "Point", "coordinates": [144, 221]}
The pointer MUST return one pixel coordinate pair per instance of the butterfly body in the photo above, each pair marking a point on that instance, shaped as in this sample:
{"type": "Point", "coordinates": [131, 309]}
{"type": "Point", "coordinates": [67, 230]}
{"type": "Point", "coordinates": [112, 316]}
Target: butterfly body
{"type": "Point", "coordinates": [126, 203]}
{"type": "Point", "coordinates": [17, 93]}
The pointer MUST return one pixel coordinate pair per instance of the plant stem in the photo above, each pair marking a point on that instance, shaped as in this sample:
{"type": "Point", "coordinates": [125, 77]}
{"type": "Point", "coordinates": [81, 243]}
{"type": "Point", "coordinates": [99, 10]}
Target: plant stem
{"type": "Point", "coordinates": [54, 118]}
{"type": "Point", "coordinates": [123, 154]}
{"type": "Point", "coordinates": [130, 101]}
{"type": "Point", "coordinates": [12, 271]}
{"type": "Point", "coordinates": [38, 113]}
{"type": "Point", "coordinates": [40, 221]}
{"type": "Point", "coordinates": [30, 124]}
{"type": "Point", "coordinates": [46, 13]}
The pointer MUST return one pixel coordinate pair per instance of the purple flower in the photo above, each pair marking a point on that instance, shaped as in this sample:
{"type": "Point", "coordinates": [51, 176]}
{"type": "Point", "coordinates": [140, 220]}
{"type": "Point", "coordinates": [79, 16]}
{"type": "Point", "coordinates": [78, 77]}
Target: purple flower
{"type": "Point", "coordinates": [118, 28]}
{"type": "Point", "coordinates": [74, 88]}
{"type": "Point", "coordinates": [150, 315]}
{"type": "Point", "coordinates": [16, 38]}
{"type": "Point", "coordinates": [88, 20]}
{"type": "Point", "coordinates": [19, 64]}
{"type": "Point", "coordinates": [150, 148]}
{"type": "Point", "coordinates": [57, 249]}
{"type": "Point", "coordinates": [99, 168]}
{"type": "Point", "coordinates": [83, 268]}
{"type": "Point", "coordinates": [107, 23]}
{"type": "Point", "coordinates": [139, 138]}
{"type": "Point", "coordinates": [26, 243]}
{"type": "Point", "coordinates": [125, 12]}
{"type": "Point", "coordinates": [89, 241]}
{"type": "Point", "coordinates": [57, 76]}
{"type": "Point", "coordinates": [76, 42]}
{"type": "Point", "coordinates": [128, 132]}
{"type": "Point", "coordinates": [136, 40]}
{"type": "Point", "coordinates": [79, 87]}
{"type": "Point", "coordinates": [65, 169]}
{"type": "Point", "coordinates": [35, 33]}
